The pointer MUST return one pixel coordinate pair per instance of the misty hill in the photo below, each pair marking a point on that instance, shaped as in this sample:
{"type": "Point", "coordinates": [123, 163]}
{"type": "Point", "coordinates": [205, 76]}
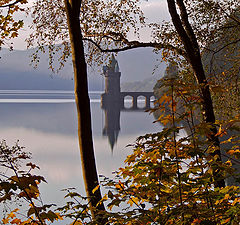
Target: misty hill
{"type": "Point", "coordinates": [17, 73]}
{"type": "Point", "coordinates": [139, 64]}
{"type": "Point", "coordinates": [145, 85]}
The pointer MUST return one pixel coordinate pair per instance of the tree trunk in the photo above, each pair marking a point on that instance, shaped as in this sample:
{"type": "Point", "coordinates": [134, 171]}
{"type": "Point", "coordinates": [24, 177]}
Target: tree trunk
{"type": "Point", "coordinates": [90, 176]}
{"type": "Point", "coordinates": [185, 31]}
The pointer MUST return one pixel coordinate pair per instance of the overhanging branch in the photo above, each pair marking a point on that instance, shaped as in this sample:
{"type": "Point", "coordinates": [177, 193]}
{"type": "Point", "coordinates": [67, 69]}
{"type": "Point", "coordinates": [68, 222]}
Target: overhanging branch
{"type": "Point", "coordinates": [134, 45]}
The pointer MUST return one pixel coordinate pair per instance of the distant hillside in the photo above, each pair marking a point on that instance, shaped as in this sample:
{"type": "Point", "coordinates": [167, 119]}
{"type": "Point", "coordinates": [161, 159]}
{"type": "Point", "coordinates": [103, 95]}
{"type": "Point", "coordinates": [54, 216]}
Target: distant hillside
{"type": "Point", "coordinates": [139, 64]}
{"type": "Point", "coordinates": [17, 73]}
{"type": "Point", "coordinates": [145, 85]}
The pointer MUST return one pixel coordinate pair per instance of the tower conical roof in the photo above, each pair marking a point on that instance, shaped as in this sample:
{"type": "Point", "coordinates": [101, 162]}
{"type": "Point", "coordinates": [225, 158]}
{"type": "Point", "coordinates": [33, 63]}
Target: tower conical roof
{"type": "Point", "coordinates": [113, 64]}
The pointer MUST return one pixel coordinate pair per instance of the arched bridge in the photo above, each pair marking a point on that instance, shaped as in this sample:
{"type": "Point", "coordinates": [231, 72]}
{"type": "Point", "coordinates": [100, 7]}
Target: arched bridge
{"type": "Point", "coordinates": [134, 99]}
{"type": "Point", "coordinates": [121, 100]}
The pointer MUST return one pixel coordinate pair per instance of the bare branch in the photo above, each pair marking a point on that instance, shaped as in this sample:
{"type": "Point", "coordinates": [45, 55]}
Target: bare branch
{"type": "Point", "coordinates": [220, 49]}
{"type": "Point", "coordinates": [11, 4]}
{"type": "Point", "coordinates": [231, 43]}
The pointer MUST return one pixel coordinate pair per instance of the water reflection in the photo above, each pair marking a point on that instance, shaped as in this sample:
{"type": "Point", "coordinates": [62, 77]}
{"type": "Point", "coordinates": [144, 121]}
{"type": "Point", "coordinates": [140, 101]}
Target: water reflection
{"type": "Point", "coordinates": [49, 131]}
{"type": "Point", "coordinates": [112, 124]}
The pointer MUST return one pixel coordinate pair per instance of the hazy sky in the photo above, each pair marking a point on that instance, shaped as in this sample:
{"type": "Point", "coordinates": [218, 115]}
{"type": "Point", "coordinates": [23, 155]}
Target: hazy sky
{"type": "Point", "coordinates": [155, 11]}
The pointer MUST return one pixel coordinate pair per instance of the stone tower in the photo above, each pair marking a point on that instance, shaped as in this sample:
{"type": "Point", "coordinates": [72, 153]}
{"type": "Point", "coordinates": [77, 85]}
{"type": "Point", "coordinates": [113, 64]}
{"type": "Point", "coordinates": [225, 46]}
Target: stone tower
{"type": "Point", "coordinates": [112, 77]}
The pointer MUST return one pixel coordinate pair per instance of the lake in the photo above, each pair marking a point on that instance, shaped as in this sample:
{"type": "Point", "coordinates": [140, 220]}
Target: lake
{"type": "Point", "coordinates": [45, 123]}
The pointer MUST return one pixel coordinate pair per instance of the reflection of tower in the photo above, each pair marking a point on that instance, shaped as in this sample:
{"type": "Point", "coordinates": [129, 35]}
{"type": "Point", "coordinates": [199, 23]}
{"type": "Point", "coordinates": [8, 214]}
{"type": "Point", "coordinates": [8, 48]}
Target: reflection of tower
{"type": "Point", "coordinates": [111, 101]}
{"type": "Point", "coordinates": [112, 124]}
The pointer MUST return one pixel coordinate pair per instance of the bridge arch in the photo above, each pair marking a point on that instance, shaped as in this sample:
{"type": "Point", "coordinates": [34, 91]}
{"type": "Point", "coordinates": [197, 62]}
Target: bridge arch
{"type": "Point", "coordinates": [128, 101]}
{"type": "Point", "coordinates": [141, 101]}
{"type": "Point", "coordinates": [152, 101]}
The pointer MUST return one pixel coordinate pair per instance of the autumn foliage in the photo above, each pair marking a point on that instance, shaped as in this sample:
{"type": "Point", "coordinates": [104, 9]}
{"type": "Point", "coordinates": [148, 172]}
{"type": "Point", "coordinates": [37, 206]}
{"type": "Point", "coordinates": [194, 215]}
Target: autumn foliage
{"type": "Point", "coordinates": [9, 26]}
{"type": "Point", "coordinates": [19, 186]}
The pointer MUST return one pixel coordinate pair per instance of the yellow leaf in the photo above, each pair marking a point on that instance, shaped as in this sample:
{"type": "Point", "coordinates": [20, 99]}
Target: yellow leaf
{"type": "Point", "coordinates": [227, 220]}
{"type": "Point", "coordinates": [130, 159]}
{"type": "Point", "coordinates": [110, 207]}
{"type": "Point", "coordinates": [231, 152]}
{"type": "Point", "coordinates": [59, 216]}
{"type": "Point", "coordinates": [196, 221]}
{"type": "Point", "coordinates": [12, 215]}
{"type": "Point", "coordinates": [229, 163]}
{"type": "Point", "coordinates": [5, 221]}
{"type": "Point", "coordinates": [133, 200]}
{"type": "Point", "coordinates": [226, 196]}
{"type": "Point", "coordinates": [16, 221]}
{"type": "Point", "coordinates": [221, 132]}
{"type": "Point", "coordinates": [95, 189]}
{"type": "Point", "coordinates": [236, 200]}
{"type": "Point", "coordinates": [14, 34]}
{"type": "Point", "coordinates": [76, 223]}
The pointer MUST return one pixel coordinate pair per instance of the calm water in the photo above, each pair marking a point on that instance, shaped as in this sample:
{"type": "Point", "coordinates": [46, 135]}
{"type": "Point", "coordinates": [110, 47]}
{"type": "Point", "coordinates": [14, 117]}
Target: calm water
{"type": "Point", "coordinates": [45, 123]}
